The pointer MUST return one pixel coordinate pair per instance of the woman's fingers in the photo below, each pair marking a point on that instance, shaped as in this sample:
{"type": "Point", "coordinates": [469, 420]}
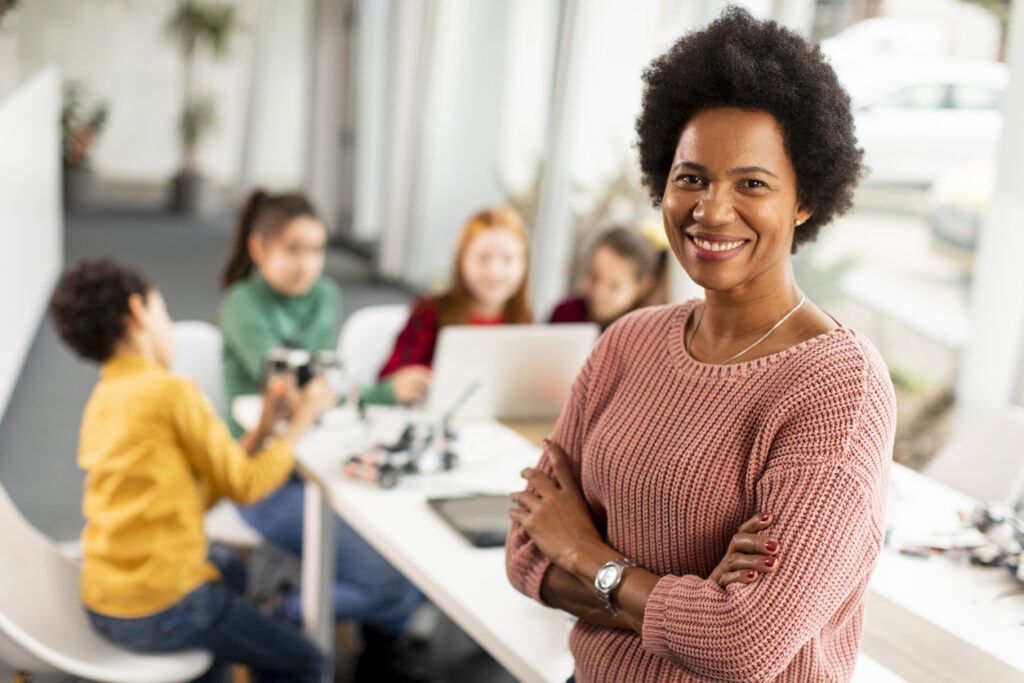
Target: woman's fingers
{"type": "Point", "coordinates": [560, 464]}
{"type": "Point", "coordinates": [525, 499]}
{"type": "Point", "coordinates": [541, 483]}
{"type": "Point", "coordinates": [757, 523]}
{"type": "Point", "coordinates": [744, 576]}
{"type": "Point", "coordinates": [745, 562]}
{"type": "Point", "coordinates": [754, 544]}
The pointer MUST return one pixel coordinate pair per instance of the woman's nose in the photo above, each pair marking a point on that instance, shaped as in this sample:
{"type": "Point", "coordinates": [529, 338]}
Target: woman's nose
{"type": "Point", "coordinates": [712, 210]}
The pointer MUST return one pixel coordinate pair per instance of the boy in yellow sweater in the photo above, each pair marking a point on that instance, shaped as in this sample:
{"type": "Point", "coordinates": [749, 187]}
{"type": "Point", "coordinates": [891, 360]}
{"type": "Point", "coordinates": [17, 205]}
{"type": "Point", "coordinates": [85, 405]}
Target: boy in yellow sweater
{"type": "Point", "coordinates": [156, 456]}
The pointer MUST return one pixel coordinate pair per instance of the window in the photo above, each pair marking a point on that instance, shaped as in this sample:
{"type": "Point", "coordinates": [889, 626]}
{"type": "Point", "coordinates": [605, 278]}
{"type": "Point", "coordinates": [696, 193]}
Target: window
{"type": "Point", "coordinates": [924, 96]}
{"type": "Point", "coordinates": [976, 97]}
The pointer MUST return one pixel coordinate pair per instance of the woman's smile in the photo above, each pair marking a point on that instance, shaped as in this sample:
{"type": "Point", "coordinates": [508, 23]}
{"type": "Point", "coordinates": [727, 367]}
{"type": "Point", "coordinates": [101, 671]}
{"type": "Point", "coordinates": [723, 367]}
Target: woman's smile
{"type": "Point", "coordinates": [710, 247]}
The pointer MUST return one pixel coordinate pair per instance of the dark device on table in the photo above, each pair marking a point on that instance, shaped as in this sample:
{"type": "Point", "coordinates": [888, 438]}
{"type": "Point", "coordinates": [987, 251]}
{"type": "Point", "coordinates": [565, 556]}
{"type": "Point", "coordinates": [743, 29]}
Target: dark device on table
{"type": "Point", "coordinates": [482, 519]}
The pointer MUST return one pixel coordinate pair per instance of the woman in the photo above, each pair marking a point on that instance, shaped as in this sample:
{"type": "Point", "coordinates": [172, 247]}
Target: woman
{"type": "Point", "coordinates": [687, 419]}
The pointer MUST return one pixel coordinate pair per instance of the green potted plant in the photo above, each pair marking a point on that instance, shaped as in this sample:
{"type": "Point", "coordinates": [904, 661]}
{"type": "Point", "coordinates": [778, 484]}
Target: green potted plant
{"type": "Point", "coordinates": [81, 122]}
{"type": "Point", "coordinates": [197, 27]}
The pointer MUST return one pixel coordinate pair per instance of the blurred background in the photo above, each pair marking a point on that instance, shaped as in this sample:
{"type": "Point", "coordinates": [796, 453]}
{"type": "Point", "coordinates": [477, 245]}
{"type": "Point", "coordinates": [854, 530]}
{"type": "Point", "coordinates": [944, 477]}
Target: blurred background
{"type": "Point", "coordinates": [402, 117]}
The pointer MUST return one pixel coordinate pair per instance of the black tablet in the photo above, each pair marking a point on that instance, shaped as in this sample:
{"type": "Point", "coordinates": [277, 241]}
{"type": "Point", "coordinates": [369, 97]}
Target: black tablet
{"type": "Point", "coordinates": [481, 518]}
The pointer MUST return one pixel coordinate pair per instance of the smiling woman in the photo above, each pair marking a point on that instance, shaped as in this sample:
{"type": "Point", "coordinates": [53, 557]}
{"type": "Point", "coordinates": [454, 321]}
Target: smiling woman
{"type": "Point", "coordinates": [753, 404]}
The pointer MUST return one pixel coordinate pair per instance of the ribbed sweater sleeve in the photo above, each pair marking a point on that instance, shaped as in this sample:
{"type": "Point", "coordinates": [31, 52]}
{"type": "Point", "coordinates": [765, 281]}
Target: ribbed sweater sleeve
{"type": "Point", "coordinates": [524, 563]}
{"type": "Point", "coordinates": [822, 480]}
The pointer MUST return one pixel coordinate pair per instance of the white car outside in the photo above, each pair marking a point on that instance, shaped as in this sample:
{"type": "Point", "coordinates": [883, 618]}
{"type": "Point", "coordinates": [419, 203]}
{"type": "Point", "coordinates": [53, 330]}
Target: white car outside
{"type": "Point", "coordinates": [918, 118]}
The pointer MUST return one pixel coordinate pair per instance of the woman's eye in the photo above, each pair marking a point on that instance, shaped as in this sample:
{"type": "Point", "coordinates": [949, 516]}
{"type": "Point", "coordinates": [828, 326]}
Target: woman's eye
{"type": "Point", "coordinates": [689, 179]}
{"type": "Point", "coordinates": [753, 184]}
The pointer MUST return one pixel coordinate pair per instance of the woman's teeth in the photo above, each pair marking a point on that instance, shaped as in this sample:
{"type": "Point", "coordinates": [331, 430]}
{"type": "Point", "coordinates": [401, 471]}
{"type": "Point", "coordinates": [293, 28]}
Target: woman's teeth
{"type": "Point", "coordinates": [716, 246]}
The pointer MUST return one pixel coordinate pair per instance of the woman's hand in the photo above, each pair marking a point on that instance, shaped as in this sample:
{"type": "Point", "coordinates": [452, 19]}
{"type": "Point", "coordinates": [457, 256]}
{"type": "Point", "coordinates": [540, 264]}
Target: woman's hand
{"type": "Point", "coordinates": [411, 383]}
{"type": "Point", "coordinates": [553, 511]}
{"type": "Point", "coordinates": [749, 554]}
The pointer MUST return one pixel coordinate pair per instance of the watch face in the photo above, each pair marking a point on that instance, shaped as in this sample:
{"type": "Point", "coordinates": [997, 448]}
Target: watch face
{"type": "Point", "coordinates": [606, 577]}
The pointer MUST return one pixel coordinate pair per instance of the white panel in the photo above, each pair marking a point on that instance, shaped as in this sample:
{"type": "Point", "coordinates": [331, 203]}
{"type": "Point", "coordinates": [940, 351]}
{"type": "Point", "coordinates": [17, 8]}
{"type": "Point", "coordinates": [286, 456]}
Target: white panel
{"type": "Point", "coordinates": [31, 223]}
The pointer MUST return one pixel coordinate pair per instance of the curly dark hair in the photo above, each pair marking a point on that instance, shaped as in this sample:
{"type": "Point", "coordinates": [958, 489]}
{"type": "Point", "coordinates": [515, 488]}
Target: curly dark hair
{"type": "Point", "coordinates": [740, 61]}
{"type": "Point", "coordinates": [90, 302]}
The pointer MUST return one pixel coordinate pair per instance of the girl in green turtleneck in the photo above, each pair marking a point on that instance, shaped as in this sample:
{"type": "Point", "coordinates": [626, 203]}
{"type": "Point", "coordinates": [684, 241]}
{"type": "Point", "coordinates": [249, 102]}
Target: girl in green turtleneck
{"type": "Point", "coordinates": [277, 295]}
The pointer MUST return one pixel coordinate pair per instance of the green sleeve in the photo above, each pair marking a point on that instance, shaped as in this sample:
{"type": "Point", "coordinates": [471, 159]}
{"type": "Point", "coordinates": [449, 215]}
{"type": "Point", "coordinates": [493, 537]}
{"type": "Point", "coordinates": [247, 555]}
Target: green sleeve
{"type": "Point", "coordinates": [381, 393]}
{"type": "Point", "coordinates": [247, 335]}
{"type": "Point", "coordinates": [325, 336]}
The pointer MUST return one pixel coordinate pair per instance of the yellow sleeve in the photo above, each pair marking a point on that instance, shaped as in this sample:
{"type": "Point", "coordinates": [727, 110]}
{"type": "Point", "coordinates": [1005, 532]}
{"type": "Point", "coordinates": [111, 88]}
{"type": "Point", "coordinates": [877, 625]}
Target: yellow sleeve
{"type": "Point", "coordinates": [222, 464]}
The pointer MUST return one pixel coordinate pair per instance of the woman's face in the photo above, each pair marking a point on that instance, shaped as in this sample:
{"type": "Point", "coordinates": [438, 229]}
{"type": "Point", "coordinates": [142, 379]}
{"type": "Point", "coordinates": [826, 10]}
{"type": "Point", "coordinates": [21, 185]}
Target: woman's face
{"type": "Point", "coordinates": [730, 204]}
{"type": "Point", "coordinates": [611, 287]}
{"type": "Point", "coordinates": [493, 267]}
{"type": "Point", "coordinates": [292, 260]}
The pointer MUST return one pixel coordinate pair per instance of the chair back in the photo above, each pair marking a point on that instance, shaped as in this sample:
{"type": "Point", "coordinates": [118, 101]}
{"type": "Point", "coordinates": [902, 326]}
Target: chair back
{"type": "Point", "coordinates": [197, 355]}
{"type": "Point", "coordinates": [367, 339]}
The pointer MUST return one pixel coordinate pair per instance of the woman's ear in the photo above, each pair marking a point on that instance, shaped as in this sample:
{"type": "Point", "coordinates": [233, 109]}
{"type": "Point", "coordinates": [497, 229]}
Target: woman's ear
{"type": "Point", "coordinates": [802, 214]}
{"type": "Point", "coordinates": [257, 248]}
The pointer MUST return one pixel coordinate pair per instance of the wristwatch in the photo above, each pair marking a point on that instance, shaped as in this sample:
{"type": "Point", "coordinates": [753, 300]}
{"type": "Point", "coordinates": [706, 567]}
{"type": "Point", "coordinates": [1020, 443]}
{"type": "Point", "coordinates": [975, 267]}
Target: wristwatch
{"type": "Point", "coordinates": [608, 579]}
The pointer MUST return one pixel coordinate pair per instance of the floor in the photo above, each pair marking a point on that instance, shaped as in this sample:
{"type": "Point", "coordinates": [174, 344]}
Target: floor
{"type": "Point", "coordinates": [38, 433]}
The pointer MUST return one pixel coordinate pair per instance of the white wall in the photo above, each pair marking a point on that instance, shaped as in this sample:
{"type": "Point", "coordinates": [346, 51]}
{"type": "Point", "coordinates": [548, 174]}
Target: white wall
{"type": "Point", "coordinates": [464, 112]}
{"type": "Point", "coordinates": [120, 50]}
{"type": "Point", "coordinates": [31, 223]}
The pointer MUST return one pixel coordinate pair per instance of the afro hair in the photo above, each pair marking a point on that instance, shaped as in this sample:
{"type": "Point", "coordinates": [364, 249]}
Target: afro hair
{"type": "Point", "coordinates": [739, 61]}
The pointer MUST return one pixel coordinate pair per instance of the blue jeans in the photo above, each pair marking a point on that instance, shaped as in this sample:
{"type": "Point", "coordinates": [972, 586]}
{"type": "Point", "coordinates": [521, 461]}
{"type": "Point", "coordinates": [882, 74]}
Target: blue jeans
{"type": "Point", "coordinates": [366, 587]}
{"type": "Point", "coordinates": [215, 617]}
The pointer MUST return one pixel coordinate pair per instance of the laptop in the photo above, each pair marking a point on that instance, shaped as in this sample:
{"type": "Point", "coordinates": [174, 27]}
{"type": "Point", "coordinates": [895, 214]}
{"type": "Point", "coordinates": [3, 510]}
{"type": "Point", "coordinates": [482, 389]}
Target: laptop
{"type": "Point", "coordinates": [509, 371]}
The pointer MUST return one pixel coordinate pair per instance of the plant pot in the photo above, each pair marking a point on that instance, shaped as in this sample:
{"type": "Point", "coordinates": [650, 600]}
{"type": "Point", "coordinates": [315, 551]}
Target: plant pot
{"type": "Point", "coordinates": [79, 187]}
{"type": "Point", "coordinates": [190, 194]}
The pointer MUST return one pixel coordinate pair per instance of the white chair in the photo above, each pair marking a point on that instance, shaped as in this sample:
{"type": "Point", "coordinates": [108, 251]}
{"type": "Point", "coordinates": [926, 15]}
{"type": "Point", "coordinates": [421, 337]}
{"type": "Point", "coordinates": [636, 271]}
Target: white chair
{"type": "Point", "coordinates": [985, 459]}
{"type": "Point", "coordinates": [197, 346]}
{"type": "Point", "coordinates": [43, 627]}
{"type": "Point", "coordinates": [198, 357]}
{"type": "Point", "coordinates": [367, 339]}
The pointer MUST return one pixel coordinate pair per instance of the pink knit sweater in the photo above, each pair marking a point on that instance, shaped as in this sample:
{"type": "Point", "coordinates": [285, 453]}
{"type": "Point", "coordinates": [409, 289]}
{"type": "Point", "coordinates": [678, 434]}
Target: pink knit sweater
{"type": "Point", "coordinates": [673, 455]}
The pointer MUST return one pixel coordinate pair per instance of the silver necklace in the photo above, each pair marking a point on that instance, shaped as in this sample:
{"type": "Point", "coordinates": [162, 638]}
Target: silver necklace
{"type": "Point", "coordinates": [764, 336]}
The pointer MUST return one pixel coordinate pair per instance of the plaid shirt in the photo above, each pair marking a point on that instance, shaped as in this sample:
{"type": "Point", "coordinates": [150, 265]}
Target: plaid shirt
{"type": "Point", "coordinates": [416, 341]}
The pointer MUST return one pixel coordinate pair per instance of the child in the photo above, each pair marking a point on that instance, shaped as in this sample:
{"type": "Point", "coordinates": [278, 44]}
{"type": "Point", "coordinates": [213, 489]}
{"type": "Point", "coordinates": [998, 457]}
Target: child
{"type": "Point", "coordinates": [622, 271]}
{"type": "Point", "coordinates": [489, 287]}
{"type": "Point", "coordinates": [276, 295]}
{"type": "Point", "coordinates": [156, 457]}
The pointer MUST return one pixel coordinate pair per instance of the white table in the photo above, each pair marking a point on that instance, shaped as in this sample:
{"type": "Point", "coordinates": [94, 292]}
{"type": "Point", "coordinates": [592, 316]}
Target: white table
{"type": "Point", "coordinates": [469, 584]}
{"type": "Point", "coordinates": [977, 607]}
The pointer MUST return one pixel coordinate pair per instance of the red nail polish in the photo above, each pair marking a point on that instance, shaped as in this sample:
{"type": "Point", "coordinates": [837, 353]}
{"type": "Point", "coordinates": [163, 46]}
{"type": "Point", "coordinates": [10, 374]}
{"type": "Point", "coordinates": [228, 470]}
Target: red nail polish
{"type": "Point", "coordinates": [765, 518]}
{"type": "Point", "coordinates": [772, 546]}
{"type": "Point", "coordinates": [751, 575]}
{"type": "Point", "coordinates": [769, 562]}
